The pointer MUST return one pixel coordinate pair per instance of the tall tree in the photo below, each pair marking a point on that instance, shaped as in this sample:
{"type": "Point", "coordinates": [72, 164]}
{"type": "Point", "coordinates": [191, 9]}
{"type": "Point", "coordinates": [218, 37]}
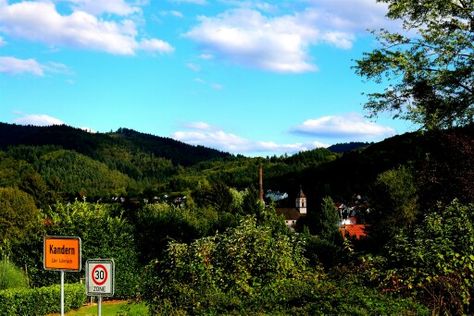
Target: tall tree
{"type": "Point", "coordinates": [430, 67]}
{"type": "Point", "coordinates": [329, 220]}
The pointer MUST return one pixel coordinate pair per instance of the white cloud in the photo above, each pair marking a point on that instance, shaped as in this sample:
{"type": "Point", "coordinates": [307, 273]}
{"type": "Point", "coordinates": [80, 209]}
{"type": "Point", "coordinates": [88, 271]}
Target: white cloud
{"type": "Point", "coordinates": [13, 66]}
{"type": "Point", "coordinates": [41, 22]}
{"type": "Point", "coordinates": [257, 34]}
{"type": "Point", "coordinates": [2, 41]}
{"type": "Point", "coordinates": [38, 120]}
{"type": "Point", "coordinates": [156, 45]}
{"type": "Point", "coordinates": [99, 7]}
{"type": "Point", "coordinates": [57, 68]}
{"type": "Point", "coordinates": [351, 15]}
{"type": "Point", "coordinates": [206, 56]}
{"type": "Point", "coordinates": [201, 133]}
{"type": "Point", "coordinates": [350, 126]}
{"type": "Point", "coordinates": [247, 37]}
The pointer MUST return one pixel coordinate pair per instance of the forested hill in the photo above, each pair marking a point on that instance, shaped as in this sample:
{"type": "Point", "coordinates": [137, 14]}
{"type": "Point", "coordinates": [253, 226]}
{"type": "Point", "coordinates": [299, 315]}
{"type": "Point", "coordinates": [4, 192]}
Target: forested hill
{"type": "Point", "coordinates": [345, 147]}
{"type": "Point", "coordinates": [94, 144]}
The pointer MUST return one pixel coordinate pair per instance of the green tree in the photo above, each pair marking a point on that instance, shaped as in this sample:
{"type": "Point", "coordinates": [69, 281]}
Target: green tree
{"type": "Point", "coordinates": [18, 215]}
{"type": "Point", "coordinates": [329, 220]}
{"type": "Point", "coordinates": [394, 204]}
{"type": "Point", "coordinates": [430, 68]}
{"type": "Point", "coordinates": [435, 261]}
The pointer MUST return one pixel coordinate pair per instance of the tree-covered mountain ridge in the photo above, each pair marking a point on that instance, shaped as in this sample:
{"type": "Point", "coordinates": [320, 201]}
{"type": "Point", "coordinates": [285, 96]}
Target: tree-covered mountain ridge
{"type": "Point", "coordinates": [91, 144]}
{"type": "Point", "coordinates": [67, 162]}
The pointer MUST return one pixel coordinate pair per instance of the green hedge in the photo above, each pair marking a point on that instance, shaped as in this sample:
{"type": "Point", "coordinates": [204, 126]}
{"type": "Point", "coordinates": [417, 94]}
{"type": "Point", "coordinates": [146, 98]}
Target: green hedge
{"type": "Point", "coordinates": [41, 301]}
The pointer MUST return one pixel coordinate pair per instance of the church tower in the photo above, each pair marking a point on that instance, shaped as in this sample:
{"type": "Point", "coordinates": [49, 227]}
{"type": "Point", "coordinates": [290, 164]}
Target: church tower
{"type": "Point", "coordinates": [301, 202]}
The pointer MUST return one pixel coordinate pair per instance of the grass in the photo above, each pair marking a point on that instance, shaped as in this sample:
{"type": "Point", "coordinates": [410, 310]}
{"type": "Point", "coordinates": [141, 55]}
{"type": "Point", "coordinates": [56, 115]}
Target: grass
{"type": "Point", "coordinates": [119, 308]}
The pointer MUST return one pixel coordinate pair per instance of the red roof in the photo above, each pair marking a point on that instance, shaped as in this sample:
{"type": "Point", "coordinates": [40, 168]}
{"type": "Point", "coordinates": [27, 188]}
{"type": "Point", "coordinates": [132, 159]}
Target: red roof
{"type": "Point", "coordinates": [356, 230]}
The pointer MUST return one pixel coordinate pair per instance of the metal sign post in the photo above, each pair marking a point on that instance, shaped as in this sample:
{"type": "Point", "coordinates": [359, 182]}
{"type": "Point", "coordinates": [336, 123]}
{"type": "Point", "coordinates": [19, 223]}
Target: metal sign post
{"type": "Point", "coordinates": [62, 253]}
{"type": "Point", "coordinates": [100, 279]}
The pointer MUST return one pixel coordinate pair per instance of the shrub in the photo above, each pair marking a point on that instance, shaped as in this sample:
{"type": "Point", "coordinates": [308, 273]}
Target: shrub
{"type": "Point", "coordinates": [103, 236]}
{"type": "Point", "coordinates": [11, 276]}
{"type": "Point", "coordinates": [434, 262]}
{"type": "Point", "coordinates": [41, 301]}
{"type": "Point", "coordinates": [224, 272]}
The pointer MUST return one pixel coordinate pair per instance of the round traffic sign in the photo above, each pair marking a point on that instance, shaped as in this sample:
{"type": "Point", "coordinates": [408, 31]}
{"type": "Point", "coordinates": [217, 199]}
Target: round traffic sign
{"type": "Point", "coordinates": [99, 274]}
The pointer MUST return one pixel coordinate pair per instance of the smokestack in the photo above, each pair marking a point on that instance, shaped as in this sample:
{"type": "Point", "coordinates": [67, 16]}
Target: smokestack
{"type": "Point", "coordinates": [260, 183]}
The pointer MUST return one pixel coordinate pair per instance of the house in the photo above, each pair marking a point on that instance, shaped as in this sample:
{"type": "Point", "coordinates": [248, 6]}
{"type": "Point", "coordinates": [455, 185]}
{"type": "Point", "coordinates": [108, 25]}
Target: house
{"type": "Point", "coordinates": [292, 214]}
{"type": "Point", "coordinates": [352, 218]}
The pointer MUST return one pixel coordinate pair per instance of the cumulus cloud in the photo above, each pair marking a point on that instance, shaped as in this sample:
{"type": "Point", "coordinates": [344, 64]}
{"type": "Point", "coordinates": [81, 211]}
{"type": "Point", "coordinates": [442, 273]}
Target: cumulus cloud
{"type": "Point", "coordinates": [252, 33]}
{"type": "Point", "coordinates": [247, 37]}
{"type": "Point", "coordinates": [13, 66]}
{"type": "Point", "coordinates": [41, 22]}
{"type": "Point", "coordinates": [99, 7]}
{"type": "Point", "coordinates": [201, 133]}
{"type": "Point", "coordinates": [351, 15]}
{"type": "Point", "coordinates": [350, 126]}
{"type": "Point", "coordinates": [156, 45]}
{"type": "Point", "coordinates": [38, 120]}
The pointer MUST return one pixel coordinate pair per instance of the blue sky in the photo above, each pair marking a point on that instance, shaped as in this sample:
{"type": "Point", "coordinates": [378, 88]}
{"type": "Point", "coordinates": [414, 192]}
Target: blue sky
{"type": "Point", "coordinates": [248, 77]}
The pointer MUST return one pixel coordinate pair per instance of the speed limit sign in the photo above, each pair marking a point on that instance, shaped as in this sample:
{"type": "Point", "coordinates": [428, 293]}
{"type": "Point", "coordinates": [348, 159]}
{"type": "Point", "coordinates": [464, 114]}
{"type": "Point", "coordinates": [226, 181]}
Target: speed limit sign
{"type": "Point", "coordinates": [100, 274]}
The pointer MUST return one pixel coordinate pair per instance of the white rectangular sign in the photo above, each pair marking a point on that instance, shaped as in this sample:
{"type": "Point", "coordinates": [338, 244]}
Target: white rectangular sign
{"type": "Point", "coordinates": [100, 277]}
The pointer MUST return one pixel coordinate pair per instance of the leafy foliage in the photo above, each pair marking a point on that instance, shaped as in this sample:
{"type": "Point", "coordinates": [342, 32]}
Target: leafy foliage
{"type": "Point", "coordinates": [431, 74]}
{"type": "Point", "coordinates": [252, 269]}
{"type": "Point", "coordinates": [329, 220]}
{"type": "Point", "coordinates": [158, 224]}
{"type": "Point", "coordinates": [18, 216]}
{"type": "Point", "coordinates": [103, 235]}
{"type": "Point", "coordinates": [41, 301]}
{"type": "Point", "coordinates": [235, 265]}
{"type": "Point", "coordinates": [434, 262]}
{"type": "Point", "coordinates": [394, 204]}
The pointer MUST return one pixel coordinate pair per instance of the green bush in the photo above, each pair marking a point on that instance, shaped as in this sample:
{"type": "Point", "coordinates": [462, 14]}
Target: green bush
{"type": "Point", "coordinates": [41, 301]}
{"type": "Point", "coordinates": [11, 276]}
{"type": "Point", "coordinates": [434, 262]}
{"type": "Point", "coordinates": [224, 272]}
{"type": "Point", "coordinates": [103, 234]}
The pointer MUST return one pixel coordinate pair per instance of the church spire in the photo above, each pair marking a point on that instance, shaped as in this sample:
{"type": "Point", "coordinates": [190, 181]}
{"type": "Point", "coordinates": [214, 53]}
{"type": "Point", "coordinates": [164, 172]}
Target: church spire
{"type": "Point", "coordinates": [301, 201]}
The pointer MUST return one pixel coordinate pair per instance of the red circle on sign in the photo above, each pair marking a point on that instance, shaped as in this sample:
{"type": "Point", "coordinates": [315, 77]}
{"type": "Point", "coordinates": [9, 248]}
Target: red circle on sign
{"type": "Point", "coordinates": [99, 266]}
